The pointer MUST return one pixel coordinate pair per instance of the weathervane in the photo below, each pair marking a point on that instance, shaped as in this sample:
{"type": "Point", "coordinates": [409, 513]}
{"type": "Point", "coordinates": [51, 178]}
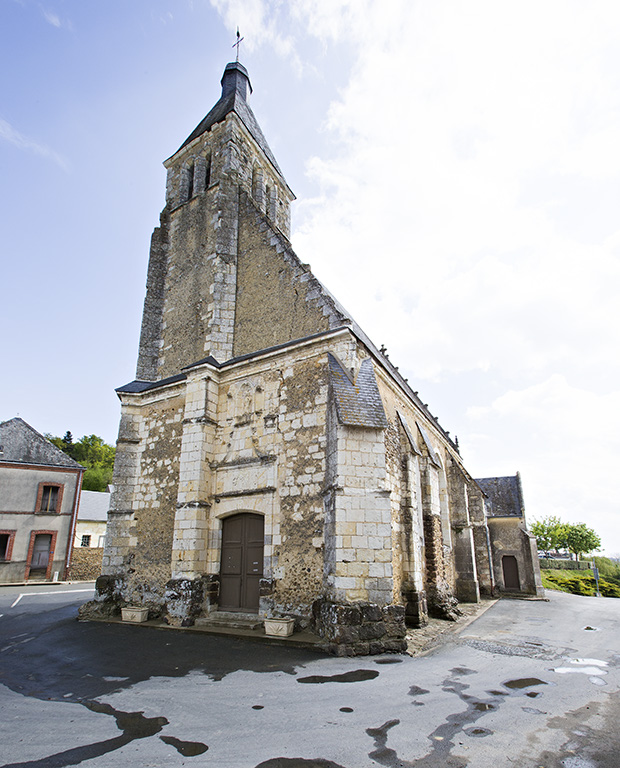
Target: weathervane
{"type": "Point", "coordinates": [237, 44]}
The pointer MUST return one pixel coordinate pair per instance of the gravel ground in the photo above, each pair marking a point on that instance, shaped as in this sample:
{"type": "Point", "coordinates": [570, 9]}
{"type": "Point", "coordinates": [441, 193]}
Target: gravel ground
{"type": "Point", "coordinates": [439, 631]}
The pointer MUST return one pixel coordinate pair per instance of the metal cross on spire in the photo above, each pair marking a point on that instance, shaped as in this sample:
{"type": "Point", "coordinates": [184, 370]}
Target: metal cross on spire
{"type": "Point", "coordinates": [237, 44]}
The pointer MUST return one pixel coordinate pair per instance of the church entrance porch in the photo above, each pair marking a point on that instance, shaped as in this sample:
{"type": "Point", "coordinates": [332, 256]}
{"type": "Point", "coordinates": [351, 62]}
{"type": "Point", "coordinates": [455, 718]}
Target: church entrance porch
{"type": "Point", "coordinates": [241, 563]}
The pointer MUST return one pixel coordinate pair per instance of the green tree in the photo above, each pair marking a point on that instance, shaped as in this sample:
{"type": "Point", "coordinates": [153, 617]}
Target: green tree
{"type": "Point", "coordinates": [580, 539]}
{"type": "Point", "coordinates": [551, 534]}
{"type": "Point", "coordinates": [92, 452]}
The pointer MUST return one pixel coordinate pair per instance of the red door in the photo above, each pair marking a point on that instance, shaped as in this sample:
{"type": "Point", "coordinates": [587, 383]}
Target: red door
{"type": "Point", "coordinates": [242, 562]}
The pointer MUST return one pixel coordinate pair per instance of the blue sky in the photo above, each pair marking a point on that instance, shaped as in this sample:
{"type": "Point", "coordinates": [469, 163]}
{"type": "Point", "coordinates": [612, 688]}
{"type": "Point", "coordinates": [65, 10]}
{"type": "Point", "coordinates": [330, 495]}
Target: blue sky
{"type": "Point", "coordinates": [458, 179]}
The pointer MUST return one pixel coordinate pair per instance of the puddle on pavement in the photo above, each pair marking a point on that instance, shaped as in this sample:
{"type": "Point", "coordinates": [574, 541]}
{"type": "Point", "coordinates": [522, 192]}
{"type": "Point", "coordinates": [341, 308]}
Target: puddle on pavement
{"type": "Point", "coordinates": [415, 690]}
{"type": "Point", "coordinates": [523, 682]}
{"type": "Point", "coordinates": [258, 706]}
{"type": "Point", "coordinates": [185, 748]}
{"type": "Point", "coordinates": [533, 694]}
{"type": "Point", "coordinates": [594, 668]}
{"type": "Point", "coordinates": [355, 676]}
{"type": "Point", "coordinates": [483, 706]}
{"type": "Point", "coordinates": [346, 709]}
{"type": "Point", "coordinates": [133, 724]}
{"type": "Point", "coordinates": [477, 732]}
{"type": "Point", "coordinates": [382, 754]}
{"type": "Point", "coordinates": [298, 762]}
{"type": "Point", "coordinates": [391, 660]}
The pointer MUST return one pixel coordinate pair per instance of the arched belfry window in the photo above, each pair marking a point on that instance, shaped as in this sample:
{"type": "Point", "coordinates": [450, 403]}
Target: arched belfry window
{"type": "Point", "coordinates": [272, 203]}
{"type": "Point", "coordinates": [258, 186]}
{"type": "Point", "coordinates": [267, 198]}
{"type": "Point", "coordinates": [202, 173]}
{"type": "Point", "coordinates": [186, 182]}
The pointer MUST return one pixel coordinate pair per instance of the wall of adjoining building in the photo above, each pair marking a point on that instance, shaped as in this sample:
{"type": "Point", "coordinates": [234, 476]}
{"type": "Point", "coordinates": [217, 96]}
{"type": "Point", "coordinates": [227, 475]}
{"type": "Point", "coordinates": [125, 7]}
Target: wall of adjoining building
{"type": "Point", "coordinates": [22, 521]}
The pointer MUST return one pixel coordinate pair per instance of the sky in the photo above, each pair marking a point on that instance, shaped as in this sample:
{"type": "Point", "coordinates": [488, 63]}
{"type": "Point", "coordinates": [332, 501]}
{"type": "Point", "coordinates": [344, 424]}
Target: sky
{"type": "Point", "coordinates": [457, 172]}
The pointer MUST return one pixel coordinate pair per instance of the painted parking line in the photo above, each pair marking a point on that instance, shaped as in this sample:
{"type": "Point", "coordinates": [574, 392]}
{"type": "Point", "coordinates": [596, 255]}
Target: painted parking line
{"type": "Point", "coordinates": [57, 592]}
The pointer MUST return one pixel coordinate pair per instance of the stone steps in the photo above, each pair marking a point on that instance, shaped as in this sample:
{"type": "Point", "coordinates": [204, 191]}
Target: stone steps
{"type": "Point", "coordinates": [230, 620]}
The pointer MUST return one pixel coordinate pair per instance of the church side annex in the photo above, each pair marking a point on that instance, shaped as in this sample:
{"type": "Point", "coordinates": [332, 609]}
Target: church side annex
{"type": "Point", "coordinates": [270, 459]}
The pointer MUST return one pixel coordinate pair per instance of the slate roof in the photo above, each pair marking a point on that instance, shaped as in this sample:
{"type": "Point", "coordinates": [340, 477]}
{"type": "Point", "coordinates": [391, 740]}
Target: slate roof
{"type": "Point", "coordinates": [21, 444]}
{"type": "Point", "coordinates": [94, 506]}
{"type": "Point", "coordinates": [234, 102]}
{"type": "Point", "coordinates": [137, 386]}
{"type": "Point", "coordinates": [358, 404]}
{"type": "Point", "coordinates": [504, 495]}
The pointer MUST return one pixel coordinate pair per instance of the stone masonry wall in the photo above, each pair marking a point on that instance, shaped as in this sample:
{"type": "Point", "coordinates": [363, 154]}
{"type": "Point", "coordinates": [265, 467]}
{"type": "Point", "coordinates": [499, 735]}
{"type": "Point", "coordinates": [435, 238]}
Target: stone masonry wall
{"type": "Point", "coordinates": [278, 299]}
{"type": "Point", "coordinates": [85, 563]}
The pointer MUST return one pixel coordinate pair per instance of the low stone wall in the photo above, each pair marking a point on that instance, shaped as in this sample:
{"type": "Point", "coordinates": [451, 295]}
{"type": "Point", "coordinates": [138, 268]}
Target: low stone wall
{"type": "Point", "coordinates": [85, 564]}
{"type": "Point", "coordinates": [359, 629]}
{"type": "Point", "coordinates": [566, 565]}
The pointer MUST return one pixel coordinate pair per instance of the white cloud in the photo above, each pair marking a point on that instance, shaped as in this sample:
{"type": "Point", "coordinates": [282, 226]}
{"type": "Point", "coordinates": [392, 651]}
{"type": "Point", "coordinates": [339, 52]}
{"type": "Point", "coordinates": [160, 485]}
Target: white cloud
{"type": "Point", "coordinates": [258, 22]}
{"type": "Point", "coordinates": [51, 18]}
{"type": "Point", "coordinates": [13, 136]}
{"type": "Point", "coordinates": [566, 442]}
{"type": "Point", "coordinates": [54, 19]}
{"type": "Point", "coordinates": [467, 217]}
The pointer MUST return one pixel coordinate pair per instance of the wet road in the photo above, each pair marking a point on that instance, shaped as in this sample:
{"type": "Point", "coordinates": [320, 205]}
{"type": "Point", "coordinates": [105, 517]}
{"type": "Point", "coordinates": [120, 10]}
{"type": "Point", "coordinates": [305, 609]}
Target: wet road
{"type": "Point", "coordinates": [528, 684]}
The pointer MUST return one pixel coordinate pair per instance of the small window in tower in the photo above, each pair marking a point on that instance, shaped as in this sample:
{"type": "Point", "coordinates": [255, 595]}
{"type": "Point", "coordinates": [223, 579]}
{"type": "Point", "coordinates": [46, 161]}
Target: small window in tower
{"type": "Point", "coordinates": [208, 173]}
{"type": "Point", "coordinates": [267, 198]}
{"type": "Point", "coordinates": [49, 498]}
{"type": "Point", "coordinates": [85, 540]}
{"type": "Point", "coordinates": [190, 183]}
{"type": "Point", "coordinates": [186, 183]}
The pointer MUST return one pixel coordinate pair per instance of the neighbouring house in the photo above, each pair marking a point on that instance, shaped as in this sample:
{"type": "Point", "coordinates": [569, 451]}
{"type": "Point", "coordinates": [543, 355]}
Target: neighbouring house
{"type": "Point", "coordinates": [89, 536]}
{"type": "Point", "coordinates": [39, 495]}
{"type": "Point", "coordinates": [515, 563]}
{"type": "Point", "coordinates": [271, 459]}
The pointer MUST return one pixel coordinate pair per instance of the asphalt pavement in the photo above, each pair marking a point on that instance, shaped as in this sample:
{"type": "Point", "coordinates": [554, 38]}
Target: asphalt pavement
{"type": "Point", "coordinates": [528, 684]}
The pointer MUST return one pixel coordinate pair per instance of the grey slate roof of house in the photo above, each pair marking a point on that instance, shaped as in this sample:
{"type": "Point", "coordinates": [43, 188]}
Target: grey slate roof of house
{"type": "Point", "coordinates": [504, 494]}
{"type": "Point", "coordinates": [234, 102]}
{"type": "Point", "coordinates": [21, 444]}
{"type": "Point", "coordinates": [358, 404]}
{"type": "Point", "coordinates": [94, 506]}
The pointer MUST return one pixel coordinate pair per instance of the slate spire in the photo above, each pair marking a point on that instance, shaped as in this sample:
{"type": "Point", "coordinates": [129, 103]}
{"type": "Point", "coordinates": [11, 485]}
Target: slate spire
{"type": "Point", "coordinates": [235, 79]}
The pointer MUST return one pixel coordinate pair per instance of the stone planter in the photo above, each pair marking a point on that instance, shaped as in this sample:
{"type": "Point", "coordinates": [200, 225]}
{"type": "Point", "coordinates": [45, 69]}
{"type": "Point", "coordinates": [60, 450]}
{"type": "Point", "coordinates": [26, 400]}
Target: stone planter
{"type": "Point", "coordinates": [279, 627]}
{"type": "Point", "coordinates": [134, 615]}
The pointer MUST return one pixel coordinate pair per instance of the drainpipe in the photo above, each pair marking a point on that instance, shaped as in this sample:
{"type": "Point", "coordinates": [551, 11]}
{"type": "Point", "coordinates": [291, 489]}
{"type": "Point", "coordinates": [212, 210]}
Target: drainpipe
{"type": "Point", "coordinates": [76, 505]}
{"type": "Point", "coordinates": [490, 554]}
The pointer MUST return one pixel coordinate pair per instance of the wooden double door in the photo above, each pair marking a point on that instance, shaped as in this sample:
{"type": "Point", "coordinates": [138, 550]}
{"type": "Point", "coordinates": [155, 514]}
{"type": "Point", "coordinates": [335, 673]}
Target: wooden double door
{"type": "Point", "coordinates": [242, 562]}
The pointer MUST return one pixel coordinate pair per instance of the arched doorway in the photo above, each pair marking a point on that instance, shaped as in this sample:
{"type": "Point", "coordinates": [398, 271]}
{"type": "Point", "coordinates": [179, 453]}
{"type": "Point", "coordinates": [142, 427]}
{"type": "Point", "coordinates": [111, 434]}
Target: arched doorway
{"type": "Point", "coordinates": [511, 572]}
{"type": "Point", "coordinates": [242, 562]}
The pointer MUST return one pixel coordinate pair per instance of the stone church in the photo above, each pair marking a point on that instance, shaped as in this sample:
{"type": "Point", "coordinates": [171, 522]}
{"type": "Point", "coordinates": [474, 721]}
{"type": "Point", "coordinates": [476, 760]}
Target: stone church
{"type": "Point", "coordinates": [270, 459]}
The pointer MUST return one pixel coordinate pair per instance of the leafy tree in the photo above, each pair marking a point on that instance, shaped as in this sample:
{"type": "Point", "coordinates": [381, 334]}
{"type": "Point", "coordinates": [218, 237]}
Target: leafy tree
{"type": "Point", "coordinates": [551, 533]}
{"type": "Point", "coordinates": [91, 452]}
{"type": "Point", "coordinates": [581, 539]}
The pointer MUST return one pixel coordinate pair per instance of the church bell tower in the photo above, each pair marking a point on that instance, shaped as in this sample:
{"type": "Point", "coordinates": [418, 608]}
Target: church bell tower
{"type": "Point", "coordinates": [190, 305]}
